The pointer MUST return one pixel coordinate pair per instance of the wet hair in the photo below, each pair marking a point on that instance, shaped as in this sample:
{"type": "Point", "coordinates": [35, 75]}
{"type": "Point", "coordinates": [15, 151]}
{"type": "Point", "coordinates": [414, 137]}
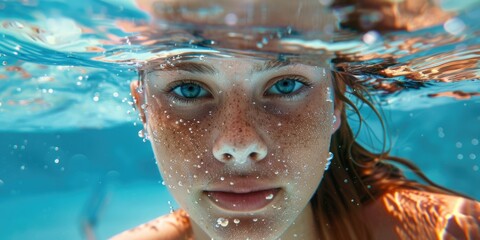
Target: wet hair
{"type": "Point", "coordinates": [356, 175]}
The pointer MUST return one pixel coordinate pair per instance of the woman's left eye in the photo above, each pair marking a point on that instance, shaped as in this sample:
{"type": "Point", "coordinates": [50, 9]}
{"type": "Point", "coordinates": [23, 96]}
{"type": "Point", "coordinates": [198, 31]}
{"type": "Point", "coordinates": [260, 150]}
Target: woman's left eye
{"type": "Point", "coordinates": [285, 86]}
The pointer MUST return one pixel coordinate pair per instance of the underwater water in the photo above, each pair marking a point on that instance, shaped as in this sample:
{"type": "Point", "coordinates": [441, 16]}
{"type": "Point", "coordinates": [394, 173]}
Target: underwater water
{"type": "Point", "coordinates": [71, 158]}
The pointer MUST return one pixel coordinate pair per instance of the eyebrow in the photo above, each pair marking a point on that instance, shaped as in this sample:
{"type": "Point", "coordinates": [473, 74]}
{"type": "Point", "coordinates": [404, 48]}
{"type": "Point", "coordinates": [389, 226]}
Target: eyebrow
{"type": "Point", "coordinates": [201, 68]}
{"type": "Point", "coordinates": [191, 67]}
{"type": "Point", "coordinates": [270, 65]}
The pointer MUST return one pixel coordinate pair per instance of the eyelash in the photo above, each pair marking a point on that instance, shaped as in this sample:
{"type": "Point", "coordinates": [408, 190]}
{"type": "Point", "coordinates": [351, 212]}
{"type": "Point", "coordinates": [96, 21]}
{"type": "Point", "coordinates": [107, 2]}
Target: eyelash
{"type": "Point", "coordinates": [174, 97]}
{"type": "Point", "coordinates": [292, 95]}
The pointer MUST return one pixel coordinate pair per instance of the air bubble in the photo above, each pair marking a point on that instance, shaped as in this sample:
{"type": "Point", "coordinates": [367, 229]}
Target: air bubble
{"type": "Point", "coordinates": [264, 40]}
{"type": "Point", "coordinates": [222, 222]}
{"type": "Point", "coordinates": [4, 63]}
{"type": "Point", "coordinates": [56, 160]}
{"type": "Point", "coordinates": [474, 142]}
{"type": "Point", "coordinates": [454, 26]}
{"type": "Point", "coordinates": [141, 134]}
{"type": "Point", "coordinates": [371, 37]}
{"type": "Point", "coordinates": [329, 160]}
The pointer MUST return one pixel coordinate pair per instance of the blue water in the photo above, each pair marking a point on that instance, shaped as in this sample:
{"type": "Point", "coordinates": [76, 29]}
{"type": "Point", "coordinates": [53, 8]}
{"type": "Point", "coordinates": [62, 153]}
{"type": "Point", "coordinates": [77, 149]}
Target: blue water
{"type": "Point", "coordinates": [69, 149]}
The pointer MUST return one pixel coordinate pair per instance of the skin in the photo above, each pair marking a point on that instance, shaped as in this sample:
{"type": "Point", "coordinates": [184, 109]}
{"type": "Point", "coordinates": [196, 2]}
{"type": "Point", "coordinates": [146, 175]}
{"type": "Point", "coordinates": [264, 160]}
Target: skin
{"type": "Point", "coordinates": [274, 142]}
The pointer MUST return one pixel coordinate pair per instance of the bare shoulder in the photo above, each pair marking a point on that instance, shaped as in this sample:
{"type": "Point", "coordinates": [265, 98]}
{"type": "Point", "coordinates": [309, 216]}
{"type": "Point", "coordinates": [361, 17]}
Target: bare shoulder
{"type": "Point", "coordinates": [413, 214]}
{"type": "Point", "coordinates": [174, 226]}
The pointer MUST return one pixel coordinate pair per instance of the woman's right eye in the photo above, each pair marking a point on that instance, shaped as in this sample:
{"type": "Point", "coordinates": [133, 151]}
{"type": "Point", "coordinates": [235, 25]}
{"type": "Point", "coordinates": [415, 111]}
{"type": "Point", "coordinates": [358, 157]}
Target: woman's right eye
{"type": "Point", "coordinates": [189, 91]}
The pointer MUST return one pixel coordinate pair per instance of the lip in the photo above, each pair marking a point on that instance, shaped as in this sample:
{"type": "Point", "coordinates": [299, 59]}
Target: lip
{"type": "Point", "coordinates": [243, 200]}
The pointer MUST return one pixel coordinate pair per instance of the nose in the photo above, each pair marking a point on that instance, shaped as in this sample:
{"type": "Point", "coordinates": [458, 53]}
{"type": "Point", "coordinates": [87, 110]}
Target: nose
{"type": "Point", "coordinates": [239, 143]}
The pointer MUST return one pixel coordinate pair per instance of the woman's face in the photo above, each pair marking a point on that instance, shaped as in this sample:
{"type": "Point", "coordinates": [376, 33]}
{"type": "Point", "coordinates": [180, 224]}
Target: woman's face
{"type": "Point", "coordinates": [241, 144]}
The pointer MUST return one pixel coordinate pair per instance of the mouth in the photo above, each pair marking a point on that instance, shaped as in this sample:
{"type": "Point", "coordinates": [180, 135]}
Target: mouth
{"type": "Point", "coordinates": [243, 201]}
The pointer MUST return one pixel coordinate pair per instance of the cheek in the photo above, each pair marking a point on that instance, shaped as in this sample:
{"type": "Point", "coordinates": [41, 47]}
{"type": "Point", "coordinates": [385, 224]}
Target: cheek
{"type": "Point", "coordinates": [301, 139]}
{"type": "Point", "coordinates": [180, 143]}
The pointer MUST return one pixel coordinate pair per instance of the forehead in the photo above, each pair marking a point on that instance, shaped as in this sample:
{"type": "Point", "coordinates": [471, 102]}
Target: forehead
{"type": "Point", "coordinates": [213, 66]}
{"type": "Point", "coordinates": [205, 64]}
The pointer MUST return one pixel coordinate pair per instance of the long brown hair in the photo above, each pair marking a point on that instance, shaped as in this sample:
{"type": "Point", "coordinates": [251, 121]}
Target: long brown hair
{"type": "Point", "coordinates": [357, 175]}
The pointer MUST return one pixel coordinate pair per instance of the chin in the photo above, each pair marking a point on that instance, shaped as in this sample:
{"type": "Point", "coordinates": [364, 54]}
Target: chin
{"type": "Point", "coordinates": [247, 228]}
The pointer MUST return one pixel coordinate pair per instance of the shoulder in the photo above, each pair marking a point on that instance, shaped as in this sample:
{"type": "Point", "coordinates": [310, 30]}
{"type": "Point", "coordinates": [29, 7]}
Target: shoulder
{"type": "Point", "coordinates": [174, 226]}
{"type": "Point", "coordinates": [414, 214]}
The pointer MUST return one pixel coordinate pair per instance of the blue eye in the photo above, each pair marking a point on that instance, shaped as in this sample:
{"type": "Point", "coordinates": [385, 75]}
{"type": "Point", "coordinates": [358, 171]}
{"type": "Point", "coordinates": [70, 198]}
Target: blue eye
{"type": "Point", "coordinates": [285, 86]}
{"type": "Point", "coordinates": [190, 90]}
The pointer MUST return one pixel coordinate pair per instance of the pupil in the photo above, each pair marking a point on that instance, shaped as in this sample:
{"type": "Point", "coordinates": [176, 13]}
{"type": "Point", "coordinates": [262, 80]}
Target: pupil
{"type": "Point", "coordinates": [190, 90]}
{"type": "Point", "coordinates": [285, 86]}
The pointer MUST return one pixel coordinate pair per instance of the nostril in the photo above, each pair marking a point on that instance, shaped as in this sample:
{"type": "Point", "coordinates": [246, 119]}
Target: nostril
{"type": "Point", "coordinates": [253, 156]}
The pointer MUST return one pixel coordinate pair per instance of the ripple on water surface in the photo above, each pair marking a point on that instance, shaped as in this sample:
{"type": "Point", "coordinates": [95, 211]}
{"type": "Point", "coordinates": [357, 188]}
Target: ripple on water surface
{"type": "Point", "coordinates": [68, 65]}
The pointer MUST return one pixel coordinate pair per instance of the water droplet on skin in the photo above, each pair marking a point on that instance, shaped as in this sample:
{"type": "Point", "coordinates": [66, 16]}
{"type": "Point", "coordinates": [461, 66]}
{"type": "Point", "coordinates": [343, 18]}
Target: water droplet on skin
{"type": "Point", "coordinates": [236, 221]}
{"type": "Point", "coordinates": [180, 183]}
{"type": "Point", "coordinates": [222, 222]}
{"type": "Point", "coordinates": [231, 183]}
{"type": "Point", "coordinates": [255, 220]}
{"type": "Point", "coordinates": [222, 178]}
{"type": "Point", "coordinates": [269, 197]}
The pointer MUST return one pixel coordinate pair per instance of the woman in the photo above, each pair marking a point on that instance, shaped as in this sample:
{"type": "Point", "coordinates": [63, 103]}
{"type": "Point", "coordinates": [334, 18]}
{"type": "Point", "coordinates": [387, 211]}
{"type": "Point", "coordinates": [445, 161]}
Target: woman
{"type": "Point", "coordinates": [260, 147]}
